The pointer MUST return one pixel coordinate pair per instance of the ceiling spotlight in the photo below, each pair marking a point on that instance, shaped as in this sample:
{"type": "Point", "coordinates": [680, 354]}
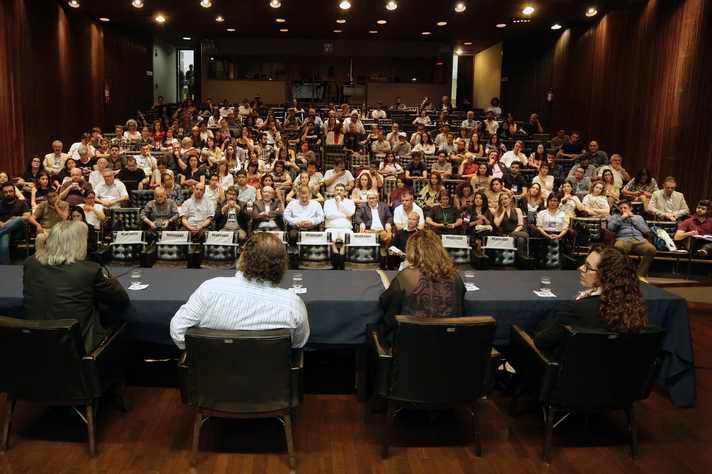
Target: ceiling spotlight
{"type": "Point", "coordinates": [381, 22]}
{"type": "Point", "coordinates": [345, 5]}
{"type": "Point", "coordinates": [556, 26]}
{"type": "Point", "coordinates": [391, 5]}
{"type": "Point", "coordinates": [426, 33]}
{"type": "Point", "coordinates": [160, 19]}
{"type": "Point", "coordinates": [219, 19]}
{"type": "Point", "coordinates": [460, 7]}
{"type": "Point", "coordinates": [280, 20]}
{"type": "Point", "coordinates": [441, 23]}
{"type": "Point", "coordinates": [137, 3]}
{"type": "Point", "coordinates": [591, 12]}
{"type": "Point", "coordinates": [231, 30]}
{"type": "Point", "coordinates": [104, 19]}
{"type": "Point", "coordinates": [458, 51]}
{"type": "Point", "coordinates": [283, 30]}
{"type": "Point", "coordinates": [186, 38]}
{"type": "Point", "coordinates": [528, 10]}
{"type": "Point", "coordinates": [206, 3]}
{"type": "Point", "coordinates": [373, 32]}
{"type": "Point", "coordinates": [337, 31]}
{"type": "Point", "coordinates": [275, 3]}
{"type": "Point", "coordinates": [340, 21]}
{"type": "Point", "coordinates": [467, 43]}
{"type": "Point", "coordinates": [501, 25]}
{"type": "Point", "coordinates": [73, 3]}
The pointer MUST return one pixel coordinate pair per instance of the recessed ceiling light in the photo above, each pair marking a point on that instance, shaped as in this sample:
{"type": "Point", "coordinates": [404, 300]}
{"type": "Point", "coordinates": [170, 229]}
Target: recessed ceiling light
{"type": "Point", "coordinates": [345, 5]}
{"type": "Point", "coordinates": [186, 38]}
{"type": "Point", "coordinates": [392, 5]}
{"type": "Point", "coordinates": [381, 22]}
{"type": "Point", "coordinates": [460, 7]}
{"type": "Point", "coordinates": [275, 4]}
{"type": "Point", "coordinates": [219, 19]}
{"type": "Point", "coordinates": [231, 30]}
{"type": "Point", "coordinates": [137, 3]}
{"type": "Point", "coordinates": [426, 33]}
{"type": "Point", "coordinates": [467, 43]}
{"type": "Point", "coordinates": [441, 23]}
{"type": "Point", "coordinates": [337, 31]}
{"type": "Point", "coordinates": [373, 32]}
{"type": "Point", "coordinates": [104, 19]}
{"type": "Point", "coordinates": [73, 3]}
{"type": "Point", "coordinates": [206, 3]}
{"type": "Point", "coordinates": [160, 19]}
{"type": "Point", "coordinates": [283, 30]}
{"type": "Point", "coordinates": [458, 51]}
{"type": "Point", "coordinates": [280, 20]}
{"type": "Point", "coordinates": [501, 25]}
{"type": "Point", "coordinates": [528, 10]}
{"type": "Point", "coordinates": [341, 21]}
{"type": "Point", "coordinates": [592, 11]}
{"type": "Point", "coordinates": [556, 26]}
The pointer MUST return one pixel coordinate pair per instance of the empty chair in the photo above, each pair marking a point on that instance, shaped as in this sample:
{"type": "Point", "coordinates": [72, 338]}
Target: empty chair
{"type": "Point", "coordinates": [241, 374]}
{"type": "Point", "coordinates": [453, 373]}
{"type": "Point", "coordinates": [593, 371]}
{"type": "Point", "coordinates": [45, 362]}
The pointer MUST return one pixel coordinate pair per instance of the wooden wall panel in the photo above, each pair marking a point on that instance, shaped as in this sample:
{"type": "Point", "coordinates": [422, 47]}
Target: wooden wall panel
{"type": "Point", "coordinates": [54, 64]}
{"type": "Point", "coordinates": [638, 81]}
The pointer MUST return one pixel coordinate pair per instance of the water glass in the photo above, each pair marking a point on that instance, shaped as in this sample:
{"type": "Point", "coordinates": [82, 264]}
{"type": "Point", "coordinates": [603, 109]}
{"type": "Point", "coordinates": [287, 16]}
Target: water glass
{"type": "Point", "coordinates": [545, 283]}
{"type": "Point", "coordinates": [469, 275]}
{"type": "Point", "coordinates": [297, 280]}
{"type": "Point", "coordinates": [136, 276]}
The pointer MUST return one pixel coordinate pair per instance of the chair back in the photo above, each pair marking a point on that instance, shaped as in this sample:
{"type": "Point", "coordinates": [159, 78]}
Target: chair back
{"type": "Point", "coordinates": [440, 360]}
{"type": "Point", "coordinates": [239, 371]}
{"type": "Point", "coordinates": [606, 369]}
{"type": "Point", "coordinates": [42, 360]}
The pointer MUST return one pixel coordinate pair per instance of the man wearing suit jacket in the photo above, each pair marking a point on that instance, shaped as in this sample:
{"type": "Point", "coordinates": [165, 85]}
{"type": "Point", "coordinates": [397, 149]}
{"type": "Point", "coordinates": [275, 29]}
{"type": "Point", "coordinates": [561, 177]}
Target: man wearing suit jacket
{"type": "Point", "coordinates": [267, 212]}
{"type": "Point", "coordinates": [375, 217]}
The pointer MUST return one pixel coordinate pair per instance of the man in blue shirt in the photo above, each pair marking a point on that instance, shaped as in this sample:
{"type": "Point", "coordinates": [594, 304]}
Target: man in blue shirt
{"type": "Point", "coordinates": [630, 230]}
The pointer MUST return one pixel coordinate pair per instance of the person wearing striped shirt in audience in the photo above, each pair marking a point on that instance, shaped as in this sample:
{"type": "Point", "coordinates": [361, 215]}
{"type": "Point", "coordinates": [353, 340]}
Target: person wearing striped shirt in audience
{"type": "Point", "coordinates": [251, 300]}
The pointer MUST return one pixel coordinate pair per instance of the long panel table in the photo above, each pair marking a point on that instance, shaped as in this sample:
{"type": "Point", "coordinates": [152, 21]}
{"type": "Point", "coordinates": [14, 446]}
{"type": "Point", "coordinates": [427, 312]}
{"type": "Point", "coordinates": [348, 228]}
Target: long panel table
{"type": "Point", "coordinates": [342, 303]}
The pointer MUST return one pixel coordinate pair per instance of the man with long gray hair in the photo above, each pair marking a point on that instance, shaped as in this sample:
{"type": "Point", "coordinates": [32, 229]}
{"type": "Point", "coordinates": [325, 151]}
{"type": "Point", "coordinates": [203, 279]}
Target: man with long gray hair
{"type": "Point", "coordinates": [59, 283]}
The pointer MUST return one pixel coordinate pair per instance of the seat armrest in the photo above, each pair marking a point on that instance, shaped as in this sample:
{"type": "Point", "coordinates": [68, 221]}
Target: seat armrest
{"type": "Point", "coordinates": [536, 370]}
{"type": "Point", "coordinates": [383, 353]}
{"type": "Point", "coordinates": [107, 343]}
{"type": "Point", "coordinates": [297, 359]}
{"type": "Point", "coordinates": [183, 361]}
{"type": "Point", "coordinates": [527, 342]}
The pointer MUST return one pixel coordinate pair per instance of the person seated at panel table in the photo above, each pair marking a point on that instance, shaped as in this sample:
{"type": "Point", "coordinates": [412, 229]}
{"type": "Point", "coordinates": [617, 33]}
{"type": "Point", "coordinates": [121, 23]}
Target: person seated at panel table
{"type": "Point", "coordinates": [197, 213]}
{"type": "Point", "coordinates": [611, 300]}
{"type": "Point", "coordinates": [160, 213]}
{"type": "Point", "coordinates": [444, 218]}
{"type": "Point", "coordinates": [630, 231]}
{"type": "Point", "coordinates": [59, 283]}
{"type": "Point", "coordinates": [509, 221]}
{"type": "Point", "coordinates": [429, 285]}
{"type": "Point", "coordinates": [251, 300]}
{"type": "Point", "coordinates": [232, 215]}
{"type": "Point", "coordinates": [668, 204]}
{"type": "Point", "coordinates": [375, 217]}
{"type": "Point", "coordinates": [302, 214]}
{"type": "Point", "coordinates": [699, 224]}
{"type": "Point", "coordinates": [268, 212]}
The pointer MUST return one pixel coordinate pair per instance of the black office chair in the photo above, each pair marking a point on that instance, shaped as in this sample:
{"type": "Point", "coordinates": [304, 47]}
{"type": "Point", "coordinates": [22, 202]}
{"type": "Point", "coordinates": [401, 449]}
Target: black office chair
{"type": "Point", "coordinates": [595, 371]}
{"type": "Point", "coordinates": [435, 363]}
{"type": "Point", "coordinates": [45, 362]}
{"type": "Point", "coordinates": [241, 374]}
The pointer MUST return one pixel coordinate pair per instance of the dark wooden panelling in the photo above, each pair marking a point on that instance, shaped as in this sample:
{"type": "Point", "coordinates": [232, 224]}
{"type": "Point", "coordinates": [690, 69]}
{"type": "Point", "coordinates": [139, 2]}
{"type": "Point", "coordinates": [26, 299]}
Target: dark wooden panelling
{"type": "Point", "coordinates": [54, 65]}
{"type": "Point", "coordinates": [638, 80]}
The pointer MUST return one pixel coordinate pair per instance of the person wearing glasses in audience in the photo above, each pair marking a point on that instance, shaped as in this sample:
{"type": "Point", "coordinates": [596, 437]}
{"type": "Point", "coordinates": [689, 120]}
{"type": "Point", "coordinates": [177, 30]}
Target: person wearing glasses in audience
{"type": "Point", "coordinates": [250, 300]}
{"type": "Point", "coordinates": [668, 204]}
{"type": "Point", "coordinates": [429, 285]}
{"type": "Point", "coordinates": [160, 213]}
{"type": "Point", "coordinates": [610, 300]}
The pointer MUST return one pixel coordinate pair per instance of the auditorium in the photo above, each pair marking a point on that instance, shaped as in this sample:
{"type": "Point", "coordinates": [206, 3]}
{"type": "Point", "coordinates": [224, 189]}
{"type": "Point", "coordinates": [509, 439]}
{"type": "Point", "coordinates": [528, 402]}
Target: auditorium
{"type": "Point", "coordinates": [355, 236]}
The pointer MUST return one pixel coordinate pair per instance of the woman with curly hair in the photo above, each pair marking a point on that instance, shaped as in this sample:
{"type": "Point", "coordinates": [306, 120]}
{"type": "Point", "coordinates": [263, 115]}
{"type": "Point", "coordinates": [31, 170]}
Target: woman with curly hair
{"type": "Point", "coordinates": [429, 285]}
{"type": "Point", "coordinates": [611, 300]}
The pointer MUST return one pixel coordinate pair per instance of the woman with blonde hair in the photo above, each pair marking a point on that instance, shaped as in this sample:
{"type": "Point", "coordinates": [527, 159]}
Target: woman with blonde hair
{"type": "Point", "coordinates": [429, 285]}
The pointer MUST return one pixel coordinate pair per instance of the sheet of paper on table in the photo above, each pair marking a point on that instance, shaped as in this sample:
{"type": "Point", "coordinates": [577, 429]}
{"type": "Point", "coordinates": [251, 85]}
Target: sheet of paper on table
{"type": "Point", "coordinates": [299, 291]}
{"type": "Point", "coordinates": [544, 294]}
{"type": "Point", "coordinates": [471, 287]}
{"type": "Point", "coordinates": [138, 287]}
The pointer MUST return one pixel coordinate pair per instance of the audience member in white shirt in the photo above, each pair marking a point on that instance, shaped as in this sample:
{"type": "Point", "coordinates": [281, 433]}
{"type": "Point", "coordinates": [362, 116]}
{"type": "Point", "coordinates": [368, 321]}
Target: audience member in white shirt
{"type": "Point", "coordinates": [197, 212]}
{"type": "Point", "coordinates": [251, 300]}
{"type": "Point", "coordinates": [85, 141]}
{"type": "Point", "coordinates": [112, 192]}
{"type": "Point", "coordinates": [400, 214]}
{"type": "Point", "coordinates": [515, 154]}
{"type": "Point", "coordinates": [54, 162]}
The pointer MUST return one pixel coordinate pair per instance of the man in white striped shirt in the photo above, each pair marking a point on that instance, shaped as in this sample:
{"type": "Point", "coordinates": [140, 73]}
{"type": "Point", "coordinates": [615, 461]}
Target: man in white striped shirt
{"type": "Point", "coordinates": [250, 300]}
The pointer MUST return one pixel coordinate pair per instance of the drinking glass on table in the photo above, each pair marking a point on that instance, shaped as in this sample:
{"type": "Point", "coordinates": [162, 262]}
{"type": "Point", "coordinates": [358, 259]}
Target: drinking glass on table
{"type": "Point", "coordinates": [135, 276]}
{"type": "Point", "coordinates": [545, 283]}
{"type": "Point", "coordinates": [297, 280]}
